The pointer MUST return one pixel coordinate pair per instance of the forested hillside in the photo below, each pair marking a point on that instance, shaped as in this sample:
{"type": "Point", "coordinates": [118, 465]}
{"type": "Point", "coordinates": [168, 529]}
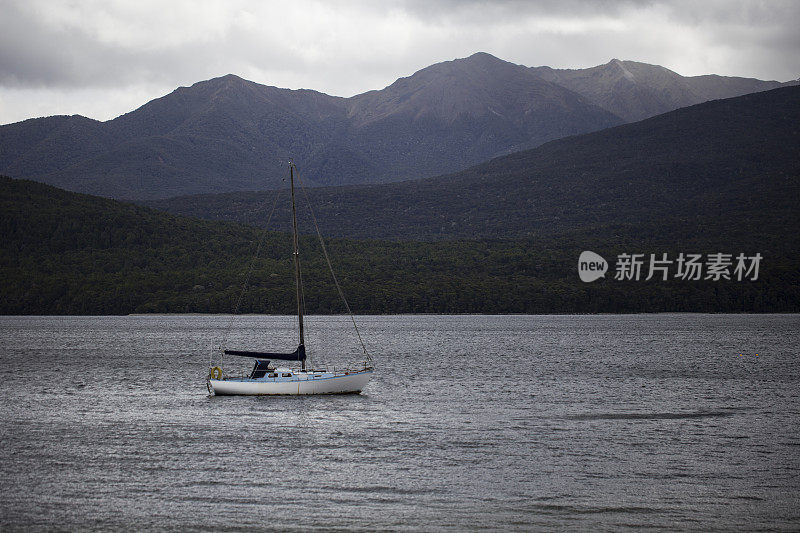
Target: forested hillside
{"type": "Point", "coordinates": [65, 253]}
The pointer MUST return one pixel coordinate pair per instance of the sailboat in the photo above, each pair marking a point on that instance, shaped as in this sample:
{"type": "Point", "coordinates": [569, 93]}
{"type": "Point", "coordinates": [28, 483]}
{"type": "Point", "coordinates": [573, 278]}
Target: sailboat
{"type": "Point", "coordinates": [266, 379]}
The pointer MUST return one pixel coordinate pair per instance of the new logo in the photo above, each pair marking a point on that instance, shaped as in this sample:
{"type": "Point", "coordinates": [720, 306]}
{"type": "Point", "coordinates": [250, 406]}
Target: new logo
{"type": "Point", "coordinates": [591, 266]}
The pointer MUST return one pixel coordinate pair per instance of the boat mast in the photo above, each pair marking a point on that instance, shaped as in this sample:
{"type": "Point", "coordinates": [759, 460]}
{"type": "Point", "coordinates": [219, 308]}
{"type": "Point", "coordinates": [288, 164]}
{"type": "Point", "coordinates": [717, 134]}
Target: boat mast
{"type": "Point", "coordinates": [298, 279]}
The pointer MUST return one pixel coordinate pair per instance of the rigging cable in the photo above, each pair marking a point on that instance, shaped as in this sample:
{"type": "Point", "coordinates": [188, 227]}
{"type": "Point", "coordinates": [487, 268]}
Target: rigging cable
{"type": "Point", "coordinates": [247, 277]}
{"type": "Point", "coordinates": [330, 267]}
{"type": "Point", "coordinates": [309, 352]}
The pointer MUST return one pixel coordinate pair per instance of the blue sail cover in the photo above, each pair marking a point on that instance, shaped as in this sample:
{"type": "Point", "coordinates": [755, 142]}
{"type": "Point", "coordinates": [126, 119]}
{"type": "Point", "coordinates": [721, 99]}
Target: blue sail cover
{"type": "Point", "coordinates": [298, 355]}
{"type": "Point", "coordinates": [260, 369]}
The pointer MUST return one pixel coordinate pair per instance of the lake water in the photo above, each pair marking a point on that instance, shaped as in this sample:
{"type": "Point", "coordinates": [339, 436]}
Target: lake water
{"type": "Point", "coordinates": [470, 423]}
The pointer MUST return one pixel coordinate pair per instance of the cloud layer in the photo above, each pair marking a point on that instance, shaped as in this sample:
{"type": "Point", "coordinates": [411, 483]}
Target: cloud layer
{"type": "Point", "coordinates": [102, 58]}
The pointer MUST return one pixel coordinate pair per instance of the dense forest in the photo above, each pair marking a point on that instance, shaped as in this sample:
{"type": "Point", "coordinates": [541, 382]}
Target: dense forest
{"type": "Point", "coordinates": [66, 253]}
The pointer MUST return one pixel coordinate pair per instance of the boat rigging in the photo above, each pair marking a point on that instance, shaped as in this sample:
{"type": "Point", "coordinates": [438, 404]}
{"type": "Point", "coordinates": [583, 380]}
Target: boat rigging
{"type": "Point", "coordinates": [266, 379]}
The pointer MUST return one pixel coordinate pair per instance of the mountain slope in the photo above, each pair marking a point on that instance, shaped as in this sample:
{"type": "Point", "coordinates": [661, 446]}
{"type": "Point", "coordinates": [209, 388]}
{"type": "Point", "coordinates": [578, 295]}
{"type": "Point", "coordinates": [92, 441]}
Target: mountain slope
{"type": "Point", "coordinates": [463, 112]}
{"type": "Point", "coordinates": [635, 91]}
{"type": "Point", "coordinates": [725, 169]}
{"type": "Point", "coordinates": [217, 135]}
{"type": "Point", "coordinates": [231, 134]}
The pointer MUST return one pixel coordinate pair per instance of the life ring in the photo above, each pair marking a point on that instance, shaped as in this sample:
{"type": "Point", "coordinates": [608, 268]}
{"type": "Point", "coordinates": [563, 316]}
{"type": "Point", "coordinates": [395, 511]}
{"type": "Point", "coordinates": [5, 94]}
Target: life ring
{"type": "Point", "coordinates": [216, 373]}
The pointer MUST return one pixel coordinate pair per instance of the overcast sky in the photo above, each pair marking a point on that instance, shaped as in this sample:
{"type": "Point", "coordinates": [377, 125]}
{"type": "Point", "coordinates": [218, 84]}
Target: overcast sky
{"type": "Point", "coordinates": [102, 58]}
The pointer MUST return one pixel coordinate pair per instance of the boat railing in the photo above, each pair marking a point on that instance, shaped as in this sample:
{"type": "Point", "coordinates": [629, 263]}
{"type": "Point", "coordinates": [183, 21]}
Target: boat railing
{"type": "Point", "coordinates": [335, 369]}
{"type": "Point", "coordinates": [236, 374]}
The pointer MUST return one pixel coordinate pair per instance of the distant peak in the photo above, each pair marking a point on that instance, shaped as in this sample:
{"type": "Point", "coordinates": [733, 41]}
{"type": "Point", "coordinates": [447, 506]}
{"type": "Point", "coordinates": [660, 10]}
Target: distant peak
{"type": "Point", "coordinates": [481, 61]}
{"type": "Point", "coordinates": [226, 79]}
{"type": "Point", "coordinates": [477, 62]}
{"type": "Point", "coordinates": [482, 55]}
{"type": "Point", "coordinates": [226, 83]}
{"type": "Point", "coordinates": [617, 64]}
{"type": "Point", "coordinates": [230, 77]}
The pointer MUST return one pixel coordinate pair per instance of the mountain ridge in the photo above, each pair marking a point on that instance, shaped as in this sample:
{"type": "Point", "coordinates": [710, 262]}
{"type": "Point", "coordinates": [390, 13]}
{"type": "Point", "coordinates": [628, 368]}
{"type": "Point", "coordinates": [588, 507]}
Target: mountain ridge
{"type": "Point", "coordinates": [228, 134]}
{"type": "Point", "coordinates": [635, 90]}
{"type": "Point", "coordinates": [707, 165]}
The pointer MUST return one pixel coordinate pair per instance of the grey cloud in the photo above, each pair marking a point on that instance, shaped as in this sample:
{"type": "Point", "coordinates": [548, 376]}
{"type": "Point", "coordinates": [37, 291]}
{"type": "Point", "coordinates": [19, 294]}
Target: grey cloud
{"type": "Point", "coordinates": [510, 9]}
{"type": "Point", "coordinates": [725, 12]}
{"type": "Point", "coordinates": [34, 54]}
{"type": "Point", "coordinates": [761, 38]}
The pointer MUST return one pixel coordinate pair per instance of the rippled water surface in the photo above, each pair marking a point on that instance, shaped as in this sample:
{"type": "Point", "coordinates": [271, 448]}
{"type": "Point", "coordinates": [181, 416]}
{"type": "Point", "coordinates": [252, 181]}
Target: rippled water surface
{"type": "Point", "coordinates": [470, 423]}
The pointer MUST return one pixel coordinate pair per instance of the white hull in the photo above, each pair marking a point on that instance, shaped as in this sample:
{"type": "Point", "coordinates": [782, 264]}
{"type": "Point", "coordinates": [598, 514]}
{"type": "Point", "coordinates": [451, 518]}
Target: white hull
{"type": "Point", "coordinates": [302, 383]}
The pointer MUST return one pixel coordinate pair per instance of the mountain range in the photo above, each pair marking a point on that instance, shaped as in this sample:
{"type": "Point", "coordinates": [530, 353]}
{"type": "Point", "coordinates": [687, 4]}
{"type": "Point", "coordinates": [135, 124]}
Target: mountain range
{"type": "Point", "coordinates": [717, 177]}
{"type": "Point", "coordinates": [726, 171]}
{"type": "Point", "coordinates": [229, 134]}
{"type": "Point", "coordinates": [634, 91]}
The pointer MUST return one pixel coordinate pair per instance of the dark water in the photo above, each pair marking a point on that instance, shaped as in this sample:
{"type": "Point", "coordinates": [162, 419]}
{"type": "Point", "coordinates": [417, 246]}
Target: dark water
{"type": "Point", "coordinates": [471, 422]}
